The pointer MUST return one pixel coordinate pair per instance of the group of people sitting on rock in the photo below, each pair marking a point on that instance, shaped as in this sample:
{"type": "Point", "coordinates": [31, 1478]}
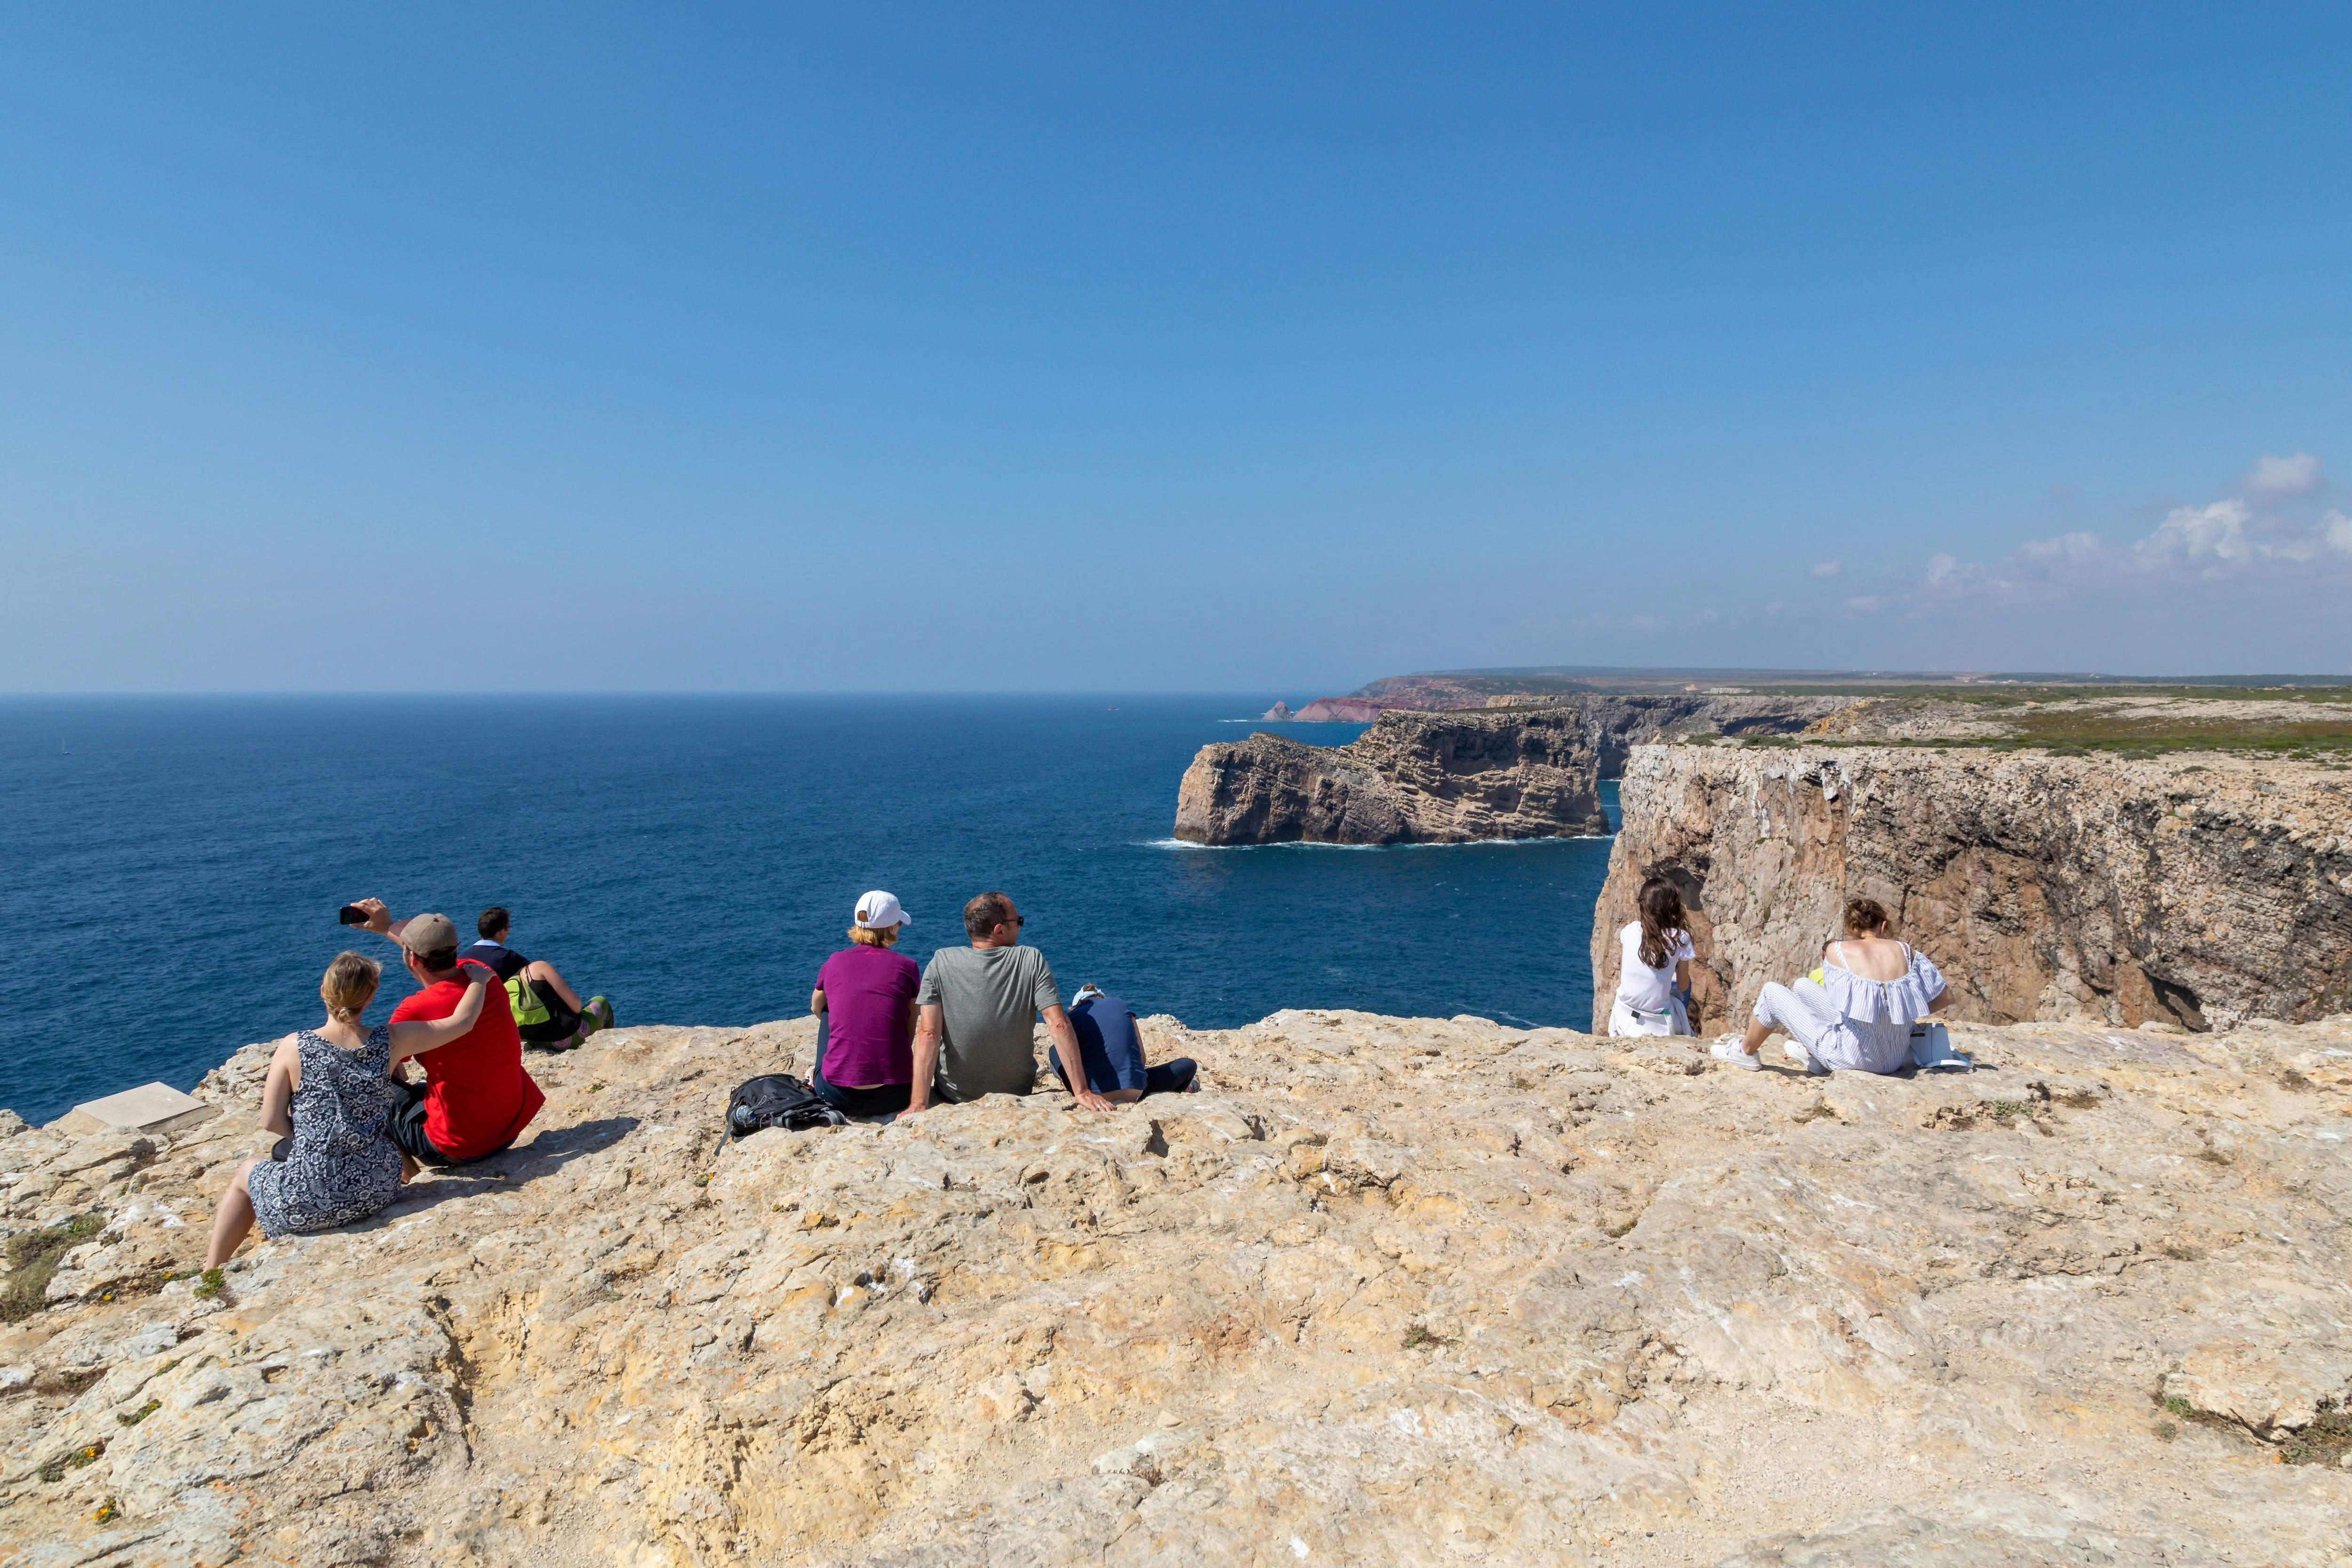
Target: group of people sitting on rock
{"type": "Point", "coordinates": [1855, 1013]}
{"type": "Point", "coordinates": [892, 1039]}
{"type": "Point", "coordinates": [352, 1127]}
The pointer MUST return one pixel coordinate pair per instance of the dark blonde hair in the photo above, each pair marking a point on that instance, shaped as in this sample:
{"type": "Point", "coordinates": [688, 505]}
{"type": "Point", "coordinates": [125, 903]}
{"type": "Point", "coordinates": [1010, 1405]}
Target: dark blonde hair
{"type": "Point", "coordinates": [1661, 903]}
{"type": "Point", "coordinates": [874, 935]}
{"type": "Point", "coordinates": [349, 985]}
{"type": "Point", "coordinates": [1863, 917]}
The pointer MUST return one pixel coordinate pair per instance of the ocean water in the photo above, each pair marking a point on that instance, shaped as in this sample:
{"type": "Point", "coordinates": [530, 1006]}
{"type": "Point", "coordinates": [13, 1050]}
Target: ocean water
{"type": "Point", "coordinates": [169, 868]}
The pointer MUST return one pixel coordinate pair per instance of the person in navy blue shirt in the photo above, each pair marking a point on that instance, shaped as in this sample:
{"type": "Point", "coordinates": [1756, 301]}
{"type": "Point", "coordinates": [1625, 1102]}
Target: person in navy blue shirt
{"type": "Point", "coordinates": [1110, 1048]}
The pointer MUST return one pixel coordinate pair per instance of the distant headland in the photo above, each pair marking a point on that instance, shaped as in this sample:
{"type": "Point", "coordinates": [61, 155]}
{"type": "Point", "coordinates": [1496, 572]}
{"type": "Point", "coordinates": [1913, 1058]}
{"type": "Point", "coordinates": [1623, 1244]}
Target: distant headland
{"type": "Point", "coordinates": [1439, 690]}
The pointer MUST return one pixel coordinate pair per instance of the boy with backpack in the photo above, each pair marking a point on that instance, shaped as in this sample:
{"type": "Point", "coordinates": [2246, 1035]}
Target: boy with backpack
{"type": "Point", "coordinates": [547, 1012]}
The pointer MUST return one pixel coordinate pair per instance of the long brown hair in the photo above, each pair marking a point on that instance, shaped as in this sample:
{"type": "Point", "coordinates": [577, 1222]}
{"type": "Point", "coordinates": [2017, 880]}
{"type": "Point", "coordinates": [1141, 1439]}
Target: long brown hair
{"type": "Point", "coordinates": [1662, 912]}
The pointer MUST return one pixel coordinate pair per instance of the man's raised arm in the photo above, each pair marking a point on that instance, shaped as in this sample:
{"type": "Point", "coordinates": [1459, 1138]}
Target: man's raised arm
{"type": "Point", "coordinates": [379, 918]}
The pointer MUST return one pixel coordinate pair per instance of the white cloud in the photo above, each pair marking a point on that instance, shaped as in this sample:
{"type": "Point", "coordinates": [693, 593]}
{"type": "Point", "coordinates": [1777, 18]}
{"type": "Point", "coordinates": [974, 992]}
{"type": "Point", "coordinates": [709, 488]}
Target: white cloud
{"type": "Point", "coordinates": [2035, 570]}
{"type": "Point", "coordinates": [2211, 538]}
{"type": "Point", "coordinates": [1866, 603]}
{"type": "Point", "coordinates": [2274, 477]}
{"type": "Point", "coordinates": [2263, 535]}
{"type": "Point", "coordinates": [2067, 549]}
{"type": "Point", "coordinates": [1824, 570]}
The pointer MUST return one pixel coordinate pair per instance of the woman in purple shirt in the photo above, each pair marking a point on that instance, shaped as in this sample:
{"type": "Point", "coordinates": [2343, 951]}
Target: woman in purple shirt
{"type": "Point", "coordinates": [865, 1007]}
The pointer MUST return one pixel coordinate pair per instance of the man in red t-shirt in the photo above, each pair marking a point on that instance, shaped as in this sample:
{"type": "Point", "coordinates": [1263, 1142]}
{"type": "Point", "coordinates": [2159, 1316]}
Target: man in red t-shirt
{"type": "Point", "coordinates": [475, 1099]}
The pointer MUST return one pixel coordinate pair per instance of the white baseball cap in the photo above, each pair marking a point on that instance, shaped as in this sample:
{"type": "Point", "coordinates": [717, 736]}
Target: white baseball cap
{"type": "Point", "coordinates": [877, 911]}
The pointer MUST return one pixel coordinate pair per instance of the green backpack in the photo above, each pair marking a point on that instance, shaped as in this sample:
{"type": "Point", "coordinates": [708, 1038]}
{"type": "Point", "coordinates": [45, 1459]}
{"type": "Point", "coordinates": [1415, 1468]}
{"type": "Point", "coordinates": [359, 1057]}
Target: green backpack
{"type": "Point", "coordinates": [523, 1001]}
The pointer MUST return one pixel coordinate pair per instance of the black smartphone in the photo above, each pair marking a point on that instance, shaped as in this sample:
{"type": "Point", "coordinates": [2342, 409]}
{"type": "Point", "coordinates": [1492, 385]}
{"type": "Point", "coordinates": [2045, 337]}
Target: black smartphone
{"type": "Point", "coordinates": [353, 915]}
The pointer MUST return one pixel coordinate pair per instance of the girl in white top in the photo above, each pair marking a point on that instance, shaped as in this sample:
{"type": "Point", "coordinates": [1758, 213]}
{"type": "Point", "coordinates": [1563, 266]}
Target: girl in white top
{"type": "Point", "coordinates": [1858, 1015]}
{"type": "Point", "coordinates": [1654, 977]}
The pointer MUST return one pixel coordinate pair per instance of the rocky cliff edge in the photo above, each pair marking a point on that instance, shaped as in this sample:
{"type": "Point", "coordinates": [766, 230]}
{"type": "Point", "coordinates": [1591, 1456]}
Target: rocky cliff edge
{"type": "Point", "coordinates": [1393, 1291]}
{"type": "Point", "coordinates": [2199, 889]}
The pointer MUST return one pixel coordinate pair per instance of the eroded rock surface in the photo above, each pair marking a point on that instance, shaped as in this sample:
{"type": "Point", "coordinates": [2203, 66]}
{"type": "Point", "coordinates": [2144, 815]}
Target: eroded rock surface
{"type": "Point", "coordinates": [1391, 1291]}
{"type": "Point", "coordinates": [1412, 778]}
{"type": "Point", "coordinates": [1527, 770]}
{"type": "Point", "coordinates": [1615, 725]}
{"type": "Point", "coordinates": [1341, 710]}
{"type": "Point", "coordinates": [2198, 890]}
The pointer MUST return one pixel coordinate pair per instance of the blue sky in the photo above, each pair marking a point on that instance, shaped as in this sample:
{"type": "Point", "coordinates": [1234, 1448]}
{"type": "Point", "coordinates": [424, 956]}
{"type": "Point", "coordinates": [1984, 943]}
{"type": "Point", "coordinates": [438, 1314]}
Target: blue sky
{"type": "Point", "coordinates": [1127, 348]}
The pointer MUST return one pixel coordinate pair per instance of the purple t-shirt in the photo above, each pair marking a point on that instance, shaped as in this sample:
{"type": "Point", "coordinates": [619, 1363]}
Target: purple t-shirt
{"type": "Point", "coordinates": [870, 1041]}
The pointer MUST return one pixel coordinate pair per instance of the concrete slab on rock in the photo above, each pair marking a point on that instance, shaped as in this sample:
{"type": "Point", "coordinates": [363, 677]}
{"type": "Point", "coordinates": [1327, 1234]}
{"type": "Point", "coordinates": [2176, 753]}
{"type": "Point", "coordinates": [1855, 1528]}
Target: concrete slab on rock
{"type": "Point", "coordinates": [152, 1108]}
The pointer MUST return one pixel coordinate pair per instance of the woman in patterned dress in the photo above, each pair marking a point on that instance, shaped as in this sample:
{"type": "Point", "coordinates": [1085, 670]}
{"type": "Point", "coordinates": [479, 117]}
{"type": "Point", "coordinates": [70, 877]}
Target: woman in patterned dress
{"type": "Point", "coordinates": [335, 1081]}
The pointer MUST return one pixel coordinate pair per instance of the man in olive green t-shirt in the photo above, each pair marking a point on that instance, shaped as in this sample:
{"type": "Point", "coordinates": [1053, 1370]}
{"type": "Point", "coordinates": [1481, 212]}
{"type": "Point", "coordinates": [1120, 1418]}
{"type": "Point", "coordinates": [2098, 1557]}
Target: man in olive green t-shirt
{"type": "Point", "coordinates": [974, 1032]}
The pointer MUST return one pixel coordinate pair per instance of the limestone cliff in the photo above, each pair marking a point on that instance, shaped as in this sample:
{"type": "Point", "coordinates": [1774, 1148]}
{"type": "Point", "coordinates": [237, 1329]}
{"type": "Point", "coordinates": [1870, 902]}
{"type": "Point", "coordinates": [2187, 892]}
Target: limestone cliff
{"type": "Point", "coordinates": [1390, 1291]}
{"type": "Point", "coordinates": [1412, 778]}
{"type": "Point", "coordinates": [1519, 772]}
{"type": "Point", "coordinates": [1340, 710]}
{"type": "Point", "coordinates": [2199, 890]}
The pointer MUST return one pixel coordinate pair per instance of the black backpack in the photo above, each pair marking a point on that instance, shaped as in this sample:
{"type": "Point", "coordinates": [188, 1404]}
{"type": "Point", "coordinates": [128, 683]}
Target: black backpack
{"type": "Point", "coordinates": [777, 1100]}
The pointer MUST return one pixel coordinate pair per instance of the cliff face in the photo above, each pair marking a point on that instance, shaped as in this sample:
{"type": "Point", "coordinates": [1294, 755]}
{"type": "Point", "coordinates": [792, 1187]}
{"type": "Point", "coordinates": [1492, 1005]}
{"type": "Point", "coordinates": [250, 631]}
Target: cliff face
{"type": "Point", "coordinates": [1528, 771]}
{"type": "Point", "coordinates": [1412, 778]}
{"type": "Point", "coordinates": [1340, 710]}
{"type": "Point", "coordinates": [1390, 1291]}
{"type": "Point", "coordinates": [2199, 891]}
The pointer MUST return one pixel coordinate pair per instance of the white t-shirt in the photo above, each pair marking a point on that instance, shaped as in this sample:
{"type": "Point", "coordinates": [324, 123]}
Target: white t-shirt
{"type": "Point", "coordinates": [1640, 986]}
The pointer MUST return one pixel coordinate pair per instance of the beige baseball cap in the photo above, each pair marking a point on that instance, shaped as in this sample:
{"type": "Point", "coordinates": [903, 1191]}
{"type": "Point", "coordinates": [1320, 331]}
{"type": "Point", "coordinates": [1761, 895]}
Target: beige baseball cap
{"type": "Point", "coordinates": [428, 933]}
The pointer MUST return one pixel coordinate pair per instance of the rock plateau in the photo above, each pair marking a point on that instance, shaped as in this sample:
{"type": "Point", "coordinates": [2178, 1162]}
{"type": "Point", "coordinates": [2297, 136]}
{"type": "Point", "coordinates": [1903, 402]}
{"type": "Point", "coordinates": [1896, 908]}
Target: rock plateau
{"type": "Point", "coordinates": [1390, 1291]}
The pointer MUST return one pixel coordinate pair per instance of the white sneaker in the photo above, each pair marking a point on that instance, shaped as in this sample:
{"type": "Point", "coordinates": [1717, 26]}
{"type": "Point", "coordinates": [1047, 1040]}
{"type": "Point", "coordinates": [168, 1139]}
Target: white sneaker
{"type": "Point", "coordinates": [1728, 1049]}
{"type": "Point", "coordinates": [1799, 1056]}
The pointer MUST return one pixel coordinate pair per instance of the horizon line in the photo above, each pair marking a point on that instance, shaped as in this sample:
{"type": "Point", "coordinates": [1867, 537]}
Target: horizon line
{"type": "Point", "coordinates": [1717, 672]}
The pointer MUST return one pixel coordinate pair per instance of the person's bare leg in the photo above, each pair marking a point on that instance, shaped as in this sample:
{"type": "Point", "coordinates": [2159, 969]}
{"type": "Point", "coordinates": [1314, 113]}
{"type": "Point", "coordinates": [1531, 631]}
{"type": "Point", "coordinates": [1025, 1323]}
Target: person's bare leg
{"type": "Point", "coordinates": [232, 1219]}
{"type": "Point", "coordinates": [540, 970]}
{"type": "Point", "coordinates": [1759, 1031]}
